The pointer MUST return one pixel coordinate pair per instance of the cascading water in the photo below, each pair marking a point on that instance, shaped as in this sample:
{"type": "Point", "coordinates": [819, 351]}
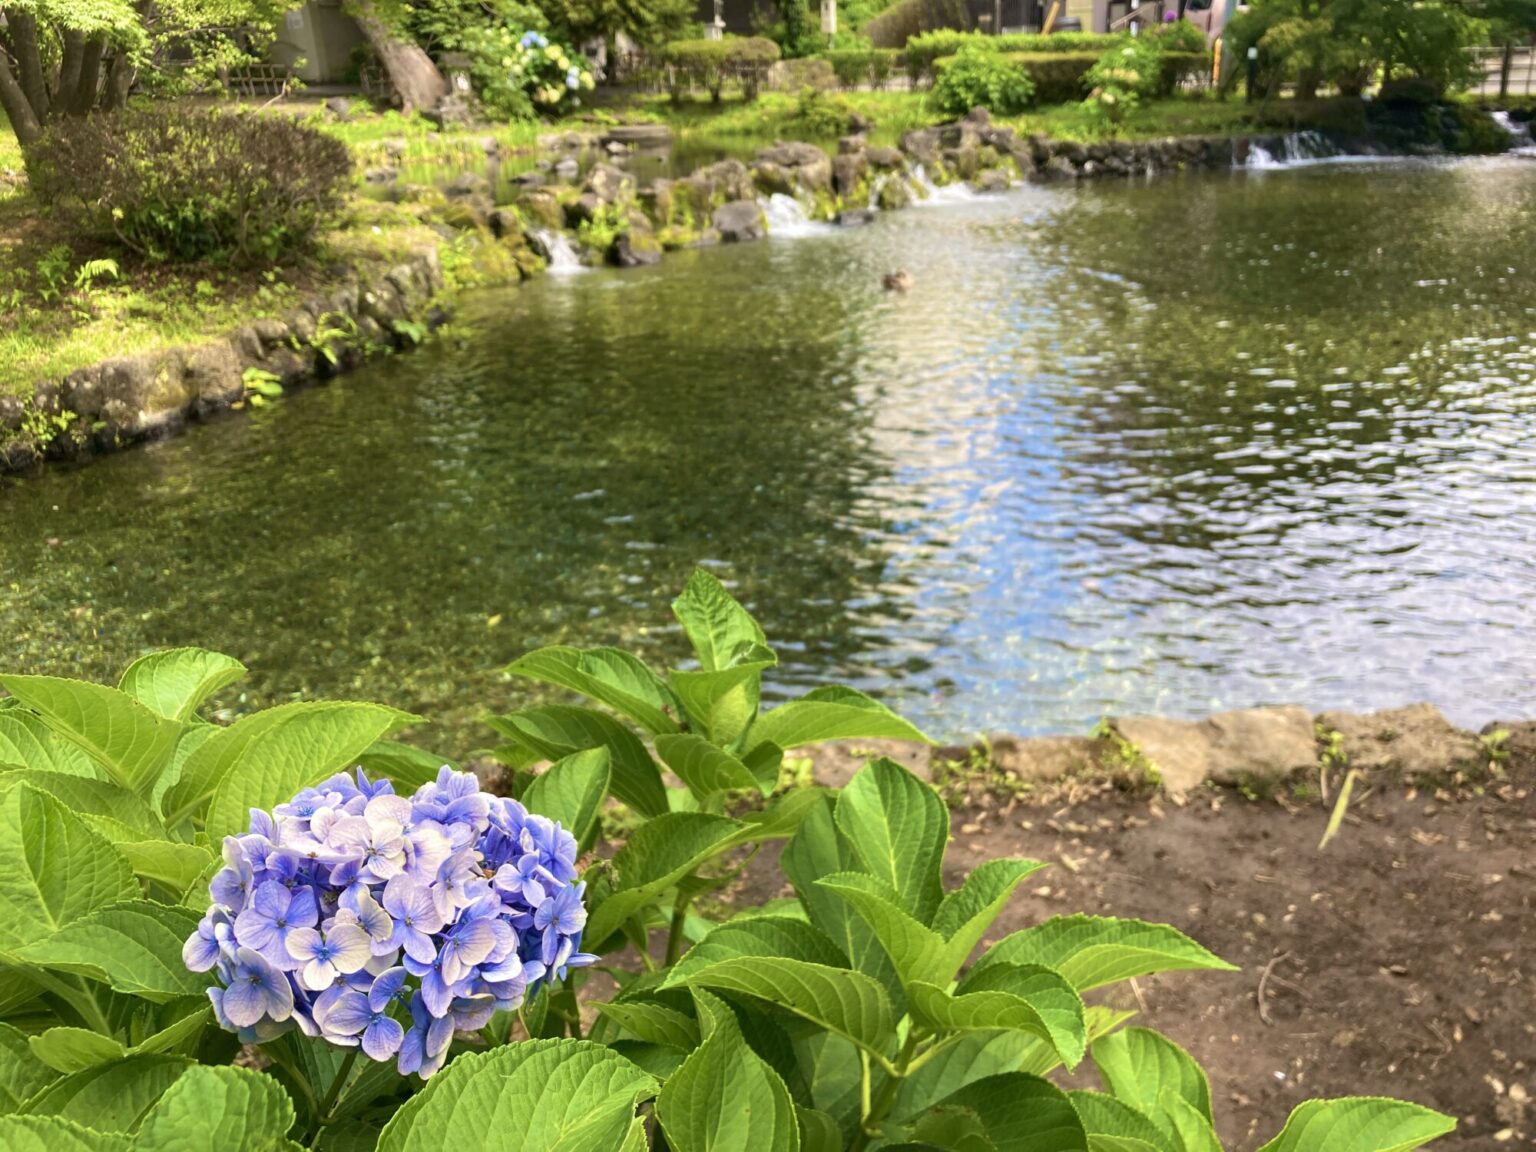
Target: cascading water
{"type": "Point", "coordinates": [1295, 149]}
{"type": "Point", "coordinates": [559, 253]}
{"type": "Point", "coordinates": [940, 194]}
{"type": "Point", "coordinates": [786, 216]}
{"type": "Point", "coordinates": [1521, 143]}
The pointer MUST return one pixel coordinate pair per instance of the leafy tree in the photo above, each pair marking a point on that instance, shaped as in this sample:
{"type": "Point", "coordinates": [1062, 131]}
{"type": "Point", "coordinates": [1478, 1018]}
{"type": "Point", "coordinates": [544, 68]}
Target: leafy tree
{"type": "Point", "coordinates": [647, 22]}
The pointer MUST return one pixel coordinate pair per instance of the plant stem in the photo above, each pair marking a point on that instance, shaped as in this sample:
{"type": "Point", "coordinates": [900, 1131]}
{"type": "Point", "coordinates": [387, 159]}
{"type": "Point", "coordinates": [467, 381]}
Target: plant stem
{"type": "Point", "coordinates": [873, 1111]}
{"type": "Point", "coordinates": [334, 1094]}
{"type": "Point", "coordinates": [675, 933]}
{"type": "Point", "coordinates": [300, 1081]}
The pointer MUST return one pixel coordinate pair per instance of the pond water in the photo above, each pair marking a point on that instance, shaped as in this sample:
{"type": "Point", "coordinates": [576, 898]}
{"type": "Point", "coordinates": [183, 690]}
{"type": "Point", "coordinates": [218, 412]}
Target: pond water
{"type": "Point", "coordinates": [1175, 446]}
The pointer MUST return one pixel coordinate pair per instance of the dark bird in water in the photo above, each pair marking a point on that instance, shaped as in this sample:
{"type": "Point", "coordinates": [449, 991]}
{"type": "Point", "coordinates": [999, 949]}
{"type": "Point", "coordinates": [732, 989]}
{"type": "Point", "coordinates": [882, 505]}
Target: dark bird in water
{"type": "Point", "coordinates": [898, 281]}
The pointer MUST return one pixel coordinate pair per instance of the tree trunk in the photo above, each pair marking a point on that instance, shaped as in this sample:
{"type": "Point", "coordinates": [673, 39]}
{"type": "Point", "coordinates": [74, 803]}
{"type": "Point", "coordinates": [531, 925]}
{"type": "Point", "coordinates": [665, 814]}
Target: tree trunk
{"type": "Point", "coordinates": [69, 65]}
{"type": "Point", "coordinates": [29, 62]}
{"type": "Point", "coordinates": [410, 70]}
{"type": "Point", "coordinates": [114, 95]}
{"type": "Point", "coordinates": [18, 110]}
{"type": "Point", "coordinates": [1506, 65]}
{"type": "Point", "coordinates": [83, 98]}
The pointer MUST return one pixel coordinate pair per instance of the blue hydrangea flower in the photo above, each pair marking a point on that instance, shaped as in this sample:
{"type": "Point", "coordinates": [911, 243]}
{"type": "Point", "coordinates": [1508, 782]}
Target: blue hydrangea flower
{"type": "Point", "coordinates": [388, 923]}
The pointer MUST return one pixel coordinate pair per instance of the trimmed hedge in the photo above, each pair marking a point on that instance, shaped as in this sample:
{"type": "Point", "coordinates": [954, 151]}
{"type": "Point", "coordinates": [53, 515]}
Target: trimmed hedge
{"type": "Point", "coordinates": [1181, 66]}
{"type": "Point", "coordinates": [923, 51]}
{"type": "Point", "coordinates": [1058, 77]}
{"type": "Point", "coordinates": [710, 64]}
{"type": "Point", "coordinates": [856, 66]}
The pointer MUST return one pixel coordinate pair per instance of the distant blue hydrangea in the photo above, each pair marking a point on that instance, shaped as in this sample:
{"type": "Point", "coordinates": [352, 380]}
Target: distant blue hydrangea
{"type": "Point", "coordinates": [573, 78]}
{"type": "Point", "coordinates": [387, 923]}
{"type": "Point", "coordinates": [534, 40]}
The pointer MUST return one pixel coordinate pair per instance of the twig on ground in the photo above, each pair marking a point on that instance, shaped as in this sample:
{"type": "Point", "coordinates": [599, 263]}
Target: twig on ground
{"type": "Point", "coordinates": [1264, 984]}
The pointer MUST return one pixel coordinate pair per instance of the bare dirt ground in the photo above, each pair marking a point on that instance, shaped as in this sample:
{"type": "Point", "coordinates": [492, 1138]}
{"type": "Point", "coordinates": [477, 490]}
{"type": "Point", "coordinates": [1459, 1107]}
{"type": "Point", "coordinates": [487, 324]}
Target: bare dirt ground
{"type": "Point", "coordinates": [1400, 960]}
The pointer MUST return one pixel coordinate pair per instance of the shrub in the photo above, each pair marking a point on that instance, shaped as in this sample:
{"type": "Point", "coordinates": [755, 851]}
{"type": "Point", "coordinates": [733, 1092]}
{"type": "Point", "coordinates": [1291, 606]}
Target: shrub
{"type": "Point", "coordinates": [923, 51]}
{"type": "Point", "coordinates": [518, 74]}
{"type": "Point", "coordinates": [192, 184]}
{"type": "Point", "coordinates": [1058, 77]}
{"type": "Point", "coordinates": [711, 64]}
{"type": "Point", "coordinates": [979, 77]}
{"type": "Point", "coordinates": [820, 116]}
{"type": "Point", "coordinates": [1124, 76]}
{"type": "Point", "coordinates": [856, 66]}
{"type": "Point", "coordinates": [855, 1009]}
{"type": "Point", "coordinates": [1177, 36]}
{"type": "Point", "coordinates": [1178, 67]}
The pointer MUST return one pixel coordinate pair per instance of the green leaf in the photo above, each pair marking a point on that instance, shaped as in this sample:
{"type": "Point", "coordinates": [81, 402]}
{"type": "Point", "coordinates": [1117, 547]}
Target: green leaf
{"type": "Point", "coordinates": [51, 1134]}
{"type": "Point", "coordinates": [1033, 999]}
{"type": "Point", "coordinates": [193, 737]}
{"type": "Point", "coordinates": [119, 733]}
{"type": "Point", "coordinates": [230, 1109]}
{"type": "Point", "coordinates": [175, 683]}
{"type": "Point", "coordinates": [1091, 951]}
{"type": "Point", "coordinates": [112, 1097]}
{"type": "Point", "coordinates": [966, 913]}
{"type": "Point", "coordinates": [87, 796]}
{"type": "Point", "coordinates": [22, 1076]}
{"type": "Point", "coordinates": [72, 1049]}
{"type": "Point", "coordinates": [1100, 1020]}
{"type": "Point", "coordinates": [610, 676]}
{"type": "Point", "coordinates": [916, 952]}
{"type": "Point", "coordinates": [134, 947]}
{"type": "Point", "coordinates": [556, 731]}
{"type": "Point", "coordinates": [1192, 1131]}
{"type": "Point", "coordinates": [1018, 1112]}
{"type": "Point", "coordinates": [405, 765]}
{"type": "Point", "coordinates": [832, 713]}
{"type": "Point", "coordinates": [898, 828]}
{"type": "Point", "coordinates": [571, 791]}
{"type": "Point", "coordinates": [264, 759]}
{"type": "Point", "coordinates": [537, 1096]}
{"type": "Point", "coordinates": [1140, 1066]}
{"type": "Point", "coordinates": [818, 1131]}
{"type": "Point", "coordinates": [706, 769]}
{"type": "Point", "coordinates": [27, 742]}
{"type": "Point", "coordinates": [1359, 1124]}
{"type": "Point", "coordinates": [756, 936]}
{"type": "Point", "coordinates": [838, 999]}
{"type": "Point", "coordinates": [957, 1060]}
{"type": "Point", "coordinates": [180, 1036]}
{"type": "Point", "coordinates": [719, 628]}
{"type": "Point", "coordinates": [174, 865]}
{"type": "Point", "coordinates": [722, 705]}
{"type": "Point", "coordinates": [659, 854]}
{"type": "Point", "coordinates": [1116, 1126]}
{"type": "Point", "coordinates": [725, 1098]}
{"type": "Point", "coordinates": [653, 1023]}
{"type": "Point", "coordinates": [53, 869]}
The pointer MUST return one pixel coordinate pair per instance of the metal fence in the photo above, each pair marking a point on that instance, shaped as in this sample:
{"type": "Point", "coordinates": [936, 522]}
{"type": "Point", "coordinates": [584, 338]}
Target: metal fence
{"type": "Point", "coordinates": [1490, 71]}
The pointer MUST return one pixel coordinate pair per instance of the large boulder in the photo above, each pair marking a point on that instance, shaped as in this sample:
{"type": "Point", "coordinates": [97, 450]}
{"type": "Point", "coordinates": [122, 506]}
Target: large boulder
{"type": "Point", "coordinates": [609, 184]}
{"type": "Point", "coordinates": [1417, 741]}
{"type": "Point", "coordinates": [848, 172]}
{"type": "Point", "coordinates": [1040, 757]}
{"type": "Point", "coordinates": [1250, 745]}
{"type": "Point", "coordinates": [727, 180]}
{"type": "Point", "coordinates": [740, 220]}
{"type": "Point", "coordinates": [791, 154]}
{"type": "Point", "coordinates": [541, 207]}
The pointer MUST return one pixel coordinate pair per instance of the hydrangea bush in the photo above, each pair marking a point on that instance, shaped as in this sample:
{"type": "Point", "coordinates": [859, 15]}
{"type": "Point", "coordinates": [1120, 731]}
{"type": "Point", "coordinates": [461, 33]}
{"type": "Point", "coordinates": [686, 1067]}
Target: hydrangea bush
{"type": "Point", "coordinates": [522, 74]}
{"type": "Point", "coordinates": [350, 908]}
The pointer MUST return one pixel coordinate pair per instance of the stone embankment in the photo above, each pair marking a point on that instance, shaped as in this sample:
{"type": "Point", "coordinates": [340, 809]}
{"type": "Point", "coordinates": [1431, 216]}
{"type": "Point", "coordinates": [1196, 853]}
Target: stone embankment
{"type": "Point", "coordinates": [1258, 749]}
{"type": "Point", "coordinates": [554, 213]}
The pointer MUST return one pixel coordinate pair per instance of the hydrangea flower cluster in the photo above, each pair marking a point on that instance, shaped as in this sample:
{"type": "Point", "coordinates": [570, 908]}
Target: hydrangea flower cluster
{"type": "Point", "coordinates": [388, 923]}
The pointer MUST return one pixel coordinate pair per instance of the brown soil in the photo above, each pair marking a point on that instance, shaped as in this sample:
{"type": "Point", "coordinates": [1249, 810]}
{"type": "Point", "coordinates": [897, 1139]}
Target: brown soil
{"type": "Point", "coordinates": [1400, 960]}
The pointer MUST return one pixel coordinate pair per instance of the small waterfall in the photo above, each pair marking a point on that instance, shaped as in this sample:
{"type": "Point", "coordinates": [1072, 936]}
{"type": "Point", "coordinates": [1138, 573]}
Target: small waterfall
{"type": "Point", "coordinates": [941, 194]}
{"type": "Point", "coordinates": [786, 216]}
{"type": "Point", "coordinates": [1296, 149]}
{"type": "Point", "coordinates": [559, 253]}
{"type": "Point", "coordinates": [1521, 143]}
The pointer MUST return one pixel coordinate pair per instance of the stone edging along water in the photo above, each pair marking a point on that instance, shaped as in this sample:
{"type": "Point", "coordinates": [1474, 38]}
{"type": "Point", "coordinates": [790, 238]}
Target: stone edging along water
{"type": "Point", "coordinates": [121, 401]}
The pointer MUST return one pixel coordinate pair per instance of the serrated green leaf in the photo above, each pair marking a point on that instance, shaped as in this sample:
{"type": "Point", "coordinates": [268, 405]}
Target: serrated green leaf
{"type": "Point", "coordinates": [653, 1023]}
{"type": "Point", "coordinates": [1140, 1066]}
{"type": "Point", "coordinates": [73, 1049]}
{"type": "Point", "coordinates": [556, 731]}
{"type": "Point", "coordinates": [22, 1076]}
{"type": "Point", "coordinates": [1018, 1112]}
{"type": "Point", "coordinates": [121, 735]}
{"type": "Point", "coordinates": [113, 1097]}
{"type": "Point", "coordinates": [838, 999]}
{"type": "Point", "coordinates": [1359, 1124]}
{"type": "Point", "coordinates": [86, 796]}
{"type": "Point", "coordinates": [706, 770]}
{"type": "Point", "coordinates": [230, 1109]}
{"type": "Point", "coordinates": [1192, 1132]}
{"type": "Point", "coordinates": [54, 870]}
{"type": "Point", "coordinates": [52, 1134]}
{"type": "Point", "coordinates": [756, 936]}
{"type": "Point", "coordinates": [264, 759]}
{"type": "Point", "coordinates": [193, 736]}
{"type": "Point", "coordinates": [725, 1098]}
{"type": "Point", "coordinates": [1033, 999]}
{"type": "Point", "coordinates": [718, 627]}
{"type": "Point", "coordinates": [27, 742]}
{"type": "Point", "coordinates": [966, 913]}
{"type": "Point", "coordinates": [916, 951]}
{"type": "Point", "coordinates": [660, 853]}
{"type": "Point", "coordinates": [537, 1096]}
{"type": "Point", "coordinates": [832, 713]}
{"type": "Point", "coordinates": [180, 1036]}
{"type": "Point", "coordinates": [818, 1131]}
{"type": "Point", "coordinates": [174, 865]}
{"type": "Point", "coordinates": [723, 704]}
{"type": "Point", "coordinates": [135, 947]}
{"type": "Point", "coordinates": [781, 817]}
{"type": "Point", "coordinates": [898, 828]}
{"type": "Point", "coordinates": [175, 683]}
{"type": "Point", "coordinates": [1116, 1126]}
{"type": "Point", "coordinates": [957, 1060]}
{"type": "Point", "coordinates": [571, 791]}
{"type": "Point", "coordinates": [610, 676]}
{"type": "Point", "coordinates": [1091, 951]}
{"type": "Point", "coordinates": [1099, 1020]}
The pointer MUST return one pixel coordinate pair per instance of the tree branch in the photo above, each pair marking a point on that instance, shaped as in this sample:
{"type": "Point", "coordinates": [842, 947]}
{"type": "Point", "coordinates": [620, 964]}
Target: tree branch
{"type": "Point", "coordinates": [18, 109]}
